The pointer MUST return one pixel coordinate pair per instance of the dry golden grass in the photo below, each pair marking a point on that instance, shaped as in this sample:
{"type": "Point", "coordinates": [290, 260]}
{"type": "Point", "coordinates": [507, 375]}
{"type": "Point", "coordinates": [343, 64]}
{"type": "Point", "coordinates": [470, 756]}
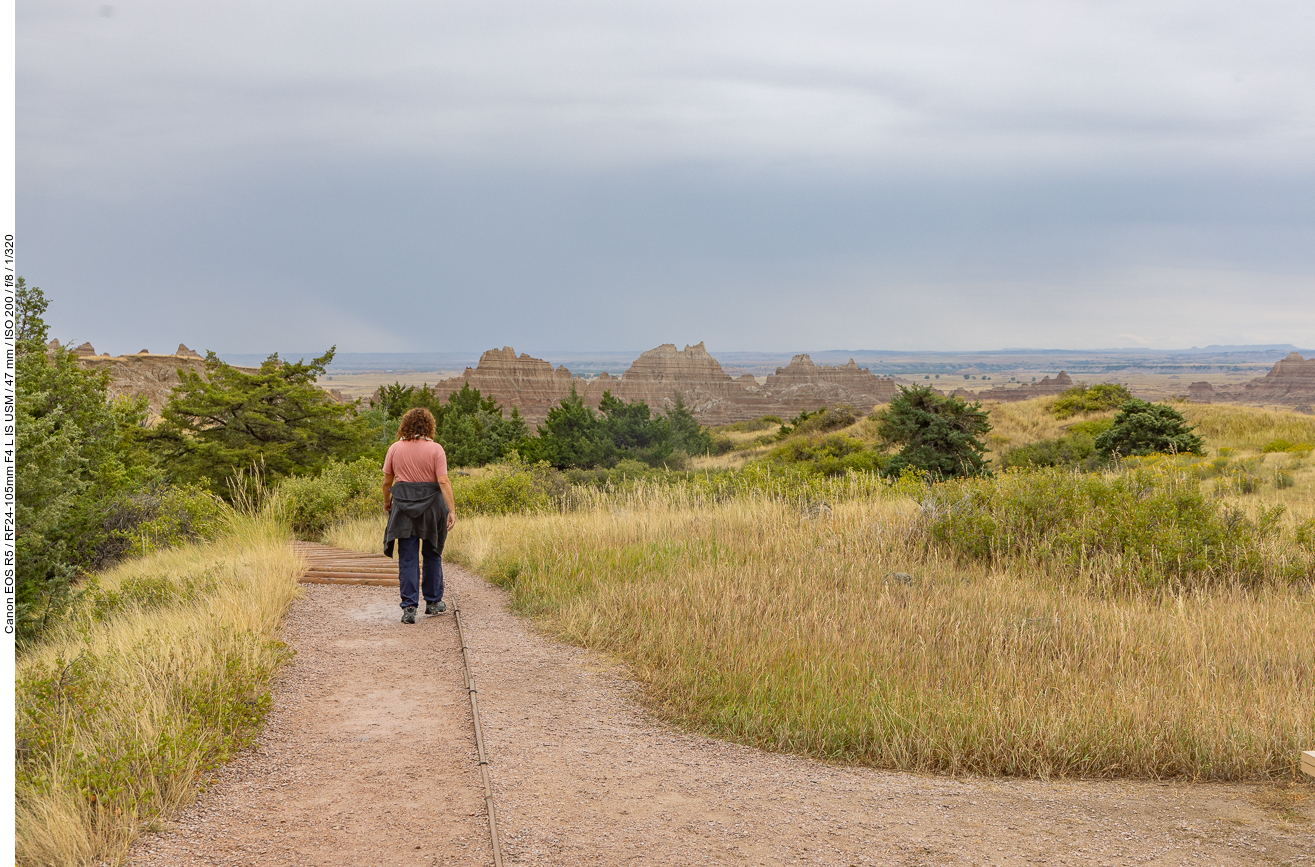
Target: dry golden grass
{"type": "Point", "coordinates": [1247, 427]}
{"type": "Point", "coordinates": [161, 673]}
{"type": "Point", "coordinates": [747, 622]}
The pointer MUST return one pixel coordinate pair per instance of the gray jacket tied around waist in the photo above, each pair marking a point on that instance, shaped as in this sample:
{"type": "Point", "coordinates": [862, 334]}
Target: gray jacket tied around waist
{"type": "Point", "coordinates": [419, 510]}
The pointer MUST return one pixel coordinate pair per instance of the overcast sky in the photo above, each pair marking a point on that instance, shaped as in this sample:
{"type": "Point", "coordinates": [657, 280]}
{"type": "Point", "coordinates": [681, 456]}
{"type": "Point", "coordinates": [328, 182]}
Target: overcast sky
{"type": "Point", "coordinates": [451, 176]}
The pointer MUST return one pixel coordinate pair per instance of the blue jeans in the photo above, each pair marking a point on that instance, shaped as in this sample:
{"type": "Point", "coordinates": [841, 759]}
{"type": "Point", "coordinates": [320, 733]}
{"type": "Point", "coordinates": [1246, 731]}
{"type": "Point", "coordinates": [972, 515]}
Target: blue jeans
{"type": "Point", "coordinates": [408, 571]}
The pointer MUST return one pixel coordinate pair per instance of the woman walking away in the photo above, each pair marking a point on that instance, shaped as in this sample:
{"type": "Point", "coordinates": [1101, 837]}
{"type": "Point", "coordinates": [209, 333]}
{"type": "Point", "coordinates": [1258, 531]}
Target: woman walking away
{"type": "Point", "coordinates": [418, 499]}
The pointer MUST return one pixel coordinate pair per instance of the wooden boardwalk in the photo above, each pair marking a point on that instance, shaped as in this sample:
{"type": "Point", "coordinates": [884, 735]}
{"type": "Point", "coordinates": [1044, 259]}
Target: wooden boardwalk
{"type": "Point", "coordinates": [328, 565]}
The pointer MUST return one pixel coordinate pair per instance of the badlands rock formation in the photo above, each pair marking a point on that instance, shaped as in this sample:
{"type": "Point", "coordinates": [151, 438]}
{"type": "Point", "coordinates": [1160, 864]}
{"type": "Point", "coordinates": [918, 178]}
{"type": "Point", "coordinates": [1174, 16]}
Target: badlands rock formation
{"type": "Point", "coordinates": [1201, 392]}
{"type": "Point", "coordinates": [520, 381]}
{"type": "Point", "coordinates": [803, 385]}
{"type": "Point", "coordinates": [142, 374]}
{"type": "Point", "coordinates": [1290, 381]}
{"type": "Point", "coordinates": [659, 375]}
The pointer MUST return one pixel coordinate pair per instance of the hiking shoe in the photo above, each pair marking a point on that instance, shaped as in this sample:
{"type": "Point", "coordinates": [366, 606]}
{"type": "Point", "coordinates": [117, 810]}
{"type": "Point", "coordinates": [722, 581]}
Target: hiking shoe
{"type": "Point", "coordinates": [435, 607]}
{"type": "Point", "coordinates": [409, 614]}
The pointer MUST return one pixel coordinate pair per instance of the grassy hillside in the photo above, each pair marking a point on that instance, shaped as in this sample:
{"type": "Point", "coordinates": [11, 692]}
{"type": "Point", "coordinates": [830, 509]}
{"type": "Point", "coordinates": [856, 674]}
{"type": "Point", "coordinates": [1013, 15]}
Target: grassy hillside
{"type": "Point", "coordinates": [159, 672]}
{"type": "Point", "coordinates": [1165, 632]}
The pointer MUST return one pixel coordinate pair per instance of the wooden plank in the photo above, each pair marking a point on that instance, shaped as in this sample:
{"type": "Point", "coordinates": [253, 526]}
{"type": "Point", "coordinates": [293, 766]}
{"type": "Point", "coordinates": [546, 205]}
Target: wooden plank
{"type": "Point", "coordinates": [1308, 762]}
{"type": "Point", "coordinates": [375, 582]}
{"type": "Point", "coordinates": [375, 576]}
{"type": "Point", "coordinates": [340, 564]}
{"type": "Point", "coordinates": [351, 564]}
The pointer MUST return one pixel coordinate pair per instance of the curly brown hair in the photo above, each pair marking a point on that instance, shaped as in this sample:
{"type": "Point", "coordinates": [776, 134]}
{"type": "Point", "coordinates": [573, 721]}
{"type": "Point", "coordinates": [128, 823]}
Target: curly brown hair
{"type": "Point", "coordinates": [418, 422]}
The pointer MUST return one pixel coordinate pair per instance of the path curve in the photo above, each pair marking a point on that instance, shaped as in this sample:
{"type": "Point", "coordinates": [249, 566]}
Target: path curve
{"type": "Point", "coordinates": [368, 759]}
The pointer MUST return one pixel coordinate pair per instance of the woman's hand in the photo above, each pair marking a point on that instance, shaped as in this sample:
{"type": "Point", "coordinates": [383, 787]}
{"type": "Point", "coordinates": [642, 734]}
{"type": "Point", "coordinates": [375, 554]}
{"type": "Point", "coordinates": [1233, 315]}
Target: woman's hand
{"type": "Point", "coordinates": [451, 521]}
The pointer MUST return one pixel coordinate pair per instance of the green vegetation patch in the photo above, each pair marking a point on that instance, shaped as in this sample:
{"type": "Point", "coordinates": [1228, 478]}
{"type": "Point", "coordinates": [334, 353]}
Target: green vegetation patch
{"type": "Point", "coordinates": [848, 634]}
{"type": "Point", "coordinates": [936, 434]}
{"type": "Point", "coordinates": [1083, 398]}
{"type": "Point", "coordinates": [832, 455]}
{"type": "Point", "coordinates": [1149, 527]}
{"type": "Point", "coordinates": [1143, 428]}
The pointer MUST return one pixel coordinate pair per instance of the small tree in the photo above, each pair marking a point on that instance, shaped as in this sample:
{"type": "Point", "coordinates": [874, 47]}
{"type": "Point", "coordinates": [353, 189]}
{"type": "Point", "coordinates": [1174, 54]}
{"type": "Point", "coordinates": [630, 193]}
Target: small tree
{"type": "Point", "coordinates": [572, 435]}
{"type": "Point", "coordinates": [687, 435]}
{"type": "Point", "coordinates": [226, 421]}
{"type": "Point", "coordinates": [1143, 428]}
{"type": "Point", "coordinates": [936, 433]}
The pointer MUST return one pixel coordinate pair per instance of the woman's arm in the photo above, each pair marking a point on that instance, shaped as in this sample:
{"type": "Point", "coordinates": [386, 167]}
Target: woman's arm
{"type": "Point", "coordinates": [445, 485]}
{"type": "Point", "coordinates": [388, 492]}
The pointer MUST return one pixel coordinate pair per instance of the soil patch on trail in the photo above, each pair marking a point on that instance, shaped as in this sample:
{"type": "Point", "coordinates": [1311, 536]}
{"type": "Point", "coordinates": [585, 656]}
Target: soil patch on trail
{"type": "Point", "coordinates": [367, 758]}
{"type": "Point", "coordinates": [369, 754]}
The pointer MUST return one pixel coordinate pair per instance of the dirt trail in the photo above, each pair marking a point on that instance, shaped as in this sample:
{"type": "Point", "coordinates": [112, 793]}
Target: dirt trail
{"type": "Point", "coordinates": [369, 759]}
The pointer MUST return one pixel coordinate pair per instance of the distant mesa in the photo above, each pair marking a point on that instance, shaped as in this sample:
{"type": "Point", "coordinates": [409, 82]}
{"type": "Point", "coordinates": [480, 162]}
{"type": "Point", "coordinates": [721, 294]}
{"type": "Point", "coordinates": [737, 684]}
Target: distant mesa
{"type": "Point", "coordinates": [1047, 387]}
{"type": "Point", "coordinates": [1201, 392]}
{"type": "Point", "coordinates": [1291, 380]}
{"type": "Point", "coordinates": [85, 350]}
{"type": "Point", "coordinates": [184, 352]}
{"type": "Point", "coordinates": [661, 374]}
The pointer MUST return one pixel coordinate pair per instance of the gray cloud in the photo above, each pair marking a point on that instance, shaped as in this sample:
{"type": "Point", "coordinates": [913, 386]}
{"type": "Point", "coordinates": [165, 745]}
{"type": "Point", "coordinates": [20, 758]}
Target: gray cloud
{"type": "Point", "coordinates": [253, 176]}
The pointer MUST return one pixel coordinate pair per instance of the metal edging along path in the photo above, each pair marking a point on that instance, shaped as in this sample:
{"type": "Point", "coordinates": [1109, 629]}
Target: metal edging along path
{"type": "Point", "coordinates": [328, 565]}
{"type": "Point", "coordinates": [479, 738]}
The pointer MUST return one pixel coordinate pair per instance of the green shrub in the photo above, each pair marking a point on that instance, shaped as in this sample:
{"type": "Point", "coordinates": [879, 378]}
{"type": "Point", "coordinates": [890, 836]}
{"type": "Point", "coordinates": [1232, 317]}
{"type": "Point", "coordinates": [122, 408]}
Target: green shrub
{"type": "Point", "coordinates": [820, 420]}
{"type": "Point", "coordinates": [513, 486]}
{"type": "Point", "coordinates": [830, 456]}
{"type": "Point", "coordinates": [1091, 427]}
{"type": "Point", "coordinates": [1077, 451]}
{"type": "Point", "coordinates": [1083, 398]}
{"type": "Point", "coordinates": [162, 517]}
{"type": "Point", "coordinates": [76, 458]}
{"type": "Point", "coordinates": [310, 505]}
{"type": "Point", "coordinates": [625, 471]}
{"type": "Point", "coordinates": [1143, 428]}
{"type": "Point", "coordinates": [1147, 527]}
{"type": "Point", "coordinates": [939, 435]}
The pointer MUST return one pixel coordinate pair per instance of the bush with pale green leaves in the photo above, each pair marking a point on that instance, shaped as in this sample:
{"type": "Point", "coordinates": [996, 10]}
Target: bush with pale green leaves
{"type": "Point", "coordinates": [343, 491]}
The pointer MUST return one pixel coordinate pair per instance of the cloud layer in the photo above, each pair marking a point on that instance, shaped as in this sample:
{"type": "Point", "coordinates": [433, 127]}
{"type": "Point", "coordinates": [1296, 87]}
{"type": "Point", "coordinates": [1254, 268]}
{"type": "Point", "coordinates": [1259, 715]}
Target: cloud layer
{"type": "Point", "coordinates": [423, 176]}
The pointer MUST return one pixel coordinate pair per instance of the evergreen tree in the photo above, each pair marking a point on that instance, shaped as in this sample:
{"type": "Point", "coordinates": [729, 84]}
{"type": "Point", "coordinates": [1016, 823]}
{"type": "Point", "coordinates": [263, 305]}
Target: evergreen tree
{"type": "Point", "coordinates": [687, 435]}
{"type": "Point", "coordinates": [471, 428]}
{"type": "Point", "coordinates": [277, 419]}
{"type": "Point", "coordinates": [936, 433]}
{"type": "Point", "coordinates": [1143, 428]}
{"type": "Point", "coordinates": [572, 435]}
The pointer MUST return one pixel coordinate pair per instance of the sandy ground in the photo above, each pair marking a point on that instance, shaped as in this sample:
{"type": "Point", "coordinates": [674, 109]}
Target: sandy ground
{"type": "Point", "coordinates": [368, 759]}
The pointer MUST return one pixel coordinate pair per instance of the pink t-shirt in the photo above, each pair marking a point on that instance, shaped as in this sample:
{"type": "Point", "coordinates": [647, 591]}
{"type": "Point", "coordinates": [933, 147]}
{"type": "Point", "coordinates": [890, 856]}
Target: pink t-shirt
{"type": "Point", "coordinates": [415, 461]}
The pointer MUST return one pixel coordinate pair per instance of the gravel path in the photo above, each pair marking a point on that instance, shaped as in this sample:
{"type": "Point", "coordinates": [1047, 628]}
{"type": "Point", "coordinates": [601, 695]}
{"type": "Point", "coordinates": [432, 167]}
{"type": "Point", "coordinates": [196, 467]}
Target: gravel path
{"type": "Point", "coordinates": [368, 759]}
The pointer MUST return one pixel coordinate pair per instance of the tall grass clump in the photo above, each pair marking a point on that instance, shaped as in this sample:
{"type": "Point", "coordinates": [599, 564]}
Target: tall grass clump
{"type": "Point", "coordinates": [1248, 427]}
{"type": "Point", "coordinates": [1151, 527]}
{"type": "Point", "coordinates": [852, 634]}
{"type": "Point", "coordinates": [158, 671]}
